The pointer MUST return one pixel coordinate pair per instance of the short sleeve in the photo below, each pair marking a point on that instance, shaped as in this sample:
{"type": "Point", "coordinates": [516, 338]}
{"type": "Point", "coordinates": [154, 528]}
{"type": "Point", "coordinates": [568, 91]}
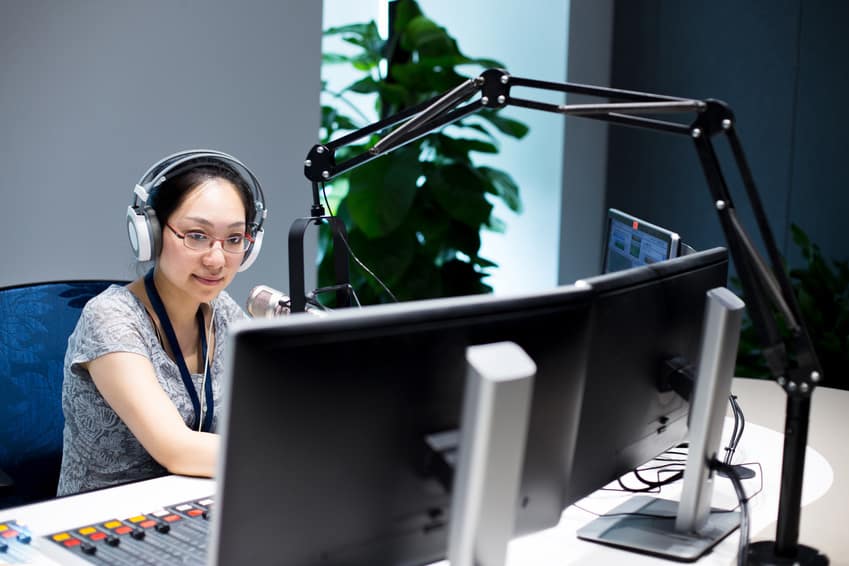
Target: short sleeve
{"type": "Point", "coordinates": [110, 322]}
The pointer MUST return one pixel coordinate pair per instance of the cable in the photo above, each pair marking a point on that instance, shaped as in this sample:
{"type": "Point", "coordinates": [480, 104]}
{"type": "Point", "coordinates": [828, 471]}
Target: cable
{"type": "Point", "coordinates": [353, 255]}
{"type": "Point", "coordinates": [731, 472]}
{"type": "Point", "coordinates": [737, 432]}
{"type": "Point", "coordinates": [207, 330]}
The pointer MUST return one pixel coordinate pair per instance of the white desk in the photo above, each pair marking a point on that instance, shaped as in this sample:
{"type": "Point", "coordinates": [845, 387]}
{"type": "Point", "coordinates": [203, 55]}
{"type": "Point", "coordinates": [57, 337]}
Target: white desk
{"type": "Point", "coordinates": [825, 494]}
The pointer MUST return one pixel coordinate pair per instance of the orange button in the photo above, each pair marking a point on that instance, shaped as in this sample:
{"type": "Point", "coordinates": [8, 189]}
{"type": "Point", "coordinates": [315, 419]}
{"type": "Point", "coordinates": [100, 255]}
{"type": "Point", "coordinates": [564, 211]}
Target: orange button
{"type": "Point", "coordinates": [147, 524]}
{"type": "Point", "coordinates": [123, 530]}
{"type": "Point", "coordinates": [71, 542]}
{"type": "Point", "coordinates": [195, 512]}
{"type": "Point", "coordinates": [171, 518]}
{"type": "Point", "coordinates": [98, 536]}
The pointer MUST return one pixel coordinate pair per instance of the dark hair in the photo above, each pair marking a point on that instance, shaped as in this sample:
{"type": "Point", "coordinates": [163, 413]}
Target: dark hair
{"type": "Point", "coordinates": [171, 193]}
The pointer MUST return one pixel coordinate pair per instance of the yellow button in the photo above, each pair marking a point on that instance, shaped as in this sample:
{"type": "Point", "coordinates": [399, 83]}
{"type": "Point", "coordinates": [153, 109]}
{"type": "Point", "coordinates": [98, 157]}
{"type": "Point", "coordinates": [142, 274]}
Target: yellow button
{"type": "Point", "coordinates": [112, 524]}
{"type": "Point", "coordinates": [137, 519]}
{"type": "Point", "coordinates": [61, 536]}
{"type": "Point", "coordinates": [87, 530]}
{"type": "Point", "coordinates": [3, 528]}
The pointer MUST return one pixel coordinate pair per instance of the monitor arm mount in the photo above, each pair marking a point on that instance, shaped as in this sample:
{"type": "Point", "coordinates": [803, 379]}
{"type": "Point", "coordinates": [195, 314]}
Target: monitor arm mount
{"type": "Point", "coordinates": [768, 292]}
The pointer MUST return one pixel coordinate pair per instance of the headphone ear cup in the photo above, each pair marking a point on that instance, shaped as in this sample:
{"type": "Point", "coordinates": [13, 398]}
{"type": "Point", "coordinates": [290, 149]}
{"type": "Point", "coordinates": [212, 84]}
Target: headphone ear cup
{"type": "Point", "coordinates": [144, 232]}
{"type": "Point", "coordinates": [154, 231]}
{"type": "Point", "coordinates": [253, 252]}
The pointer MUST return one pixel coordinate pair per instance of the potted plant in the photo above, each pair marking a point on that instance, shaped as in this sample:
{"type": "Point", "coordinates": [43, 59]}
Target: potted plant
{"type": "Point", "coordinates": [413, 216]}
{"type": "Point", "coordinates": [822, 289]}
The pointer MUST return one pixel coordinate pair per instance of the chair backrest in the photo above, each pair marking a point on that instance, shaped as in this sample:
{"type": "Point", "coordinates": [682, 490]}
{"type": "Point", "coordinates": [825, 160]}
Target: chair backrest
{"type": "Point", "coordinates": [35, 323]}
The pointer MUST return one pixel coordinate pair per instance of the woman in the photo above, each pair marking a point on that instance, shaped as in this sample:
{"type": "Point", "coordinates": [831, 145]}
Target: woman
{"type": "Point", "coordinates": [141, 391]}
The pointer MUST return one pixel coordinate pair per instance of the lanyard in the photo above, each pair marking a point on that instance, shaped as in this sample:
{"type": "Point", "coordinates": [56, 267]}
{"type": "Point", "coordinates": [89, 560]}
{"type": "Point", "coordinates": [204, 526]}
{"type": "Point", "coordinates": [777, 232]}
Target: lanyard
{"type": "Point", "coordinates": [159, 308]}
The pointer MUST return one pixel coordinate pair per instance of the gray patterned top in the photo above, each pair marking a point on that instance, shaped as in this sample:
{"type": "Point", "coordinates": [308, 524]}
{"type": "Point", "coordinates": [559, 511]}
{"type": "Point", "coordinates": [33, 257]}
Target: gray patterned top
{"type": "Point", "coordinates": [98, 448]}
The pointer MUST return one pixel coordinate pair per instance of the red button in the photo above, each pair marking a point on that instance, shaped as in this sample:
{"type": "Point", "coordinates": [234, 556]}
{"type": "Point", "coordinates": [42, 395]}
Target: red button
{"type": "Point", "coordinates": [71, 542]}
{"type": "Point", "coordinates": [9, 534]}
{"type": "Point", "coordinates": [123, 530]}
{"type": "Point", "coordinates": [97, 536]}
{"type": "Point", "coordinates": [171, 518]}
{"type": "Point", "coordinates": [195, 512]}
{"type": "Point", "coordinates": [147, 524]}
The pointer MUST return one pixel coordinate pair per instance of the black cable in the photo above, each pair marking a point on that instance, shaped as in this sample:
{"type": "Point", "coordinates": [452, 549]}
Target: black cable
{"type": "Point", "coordinates": [354, 256]}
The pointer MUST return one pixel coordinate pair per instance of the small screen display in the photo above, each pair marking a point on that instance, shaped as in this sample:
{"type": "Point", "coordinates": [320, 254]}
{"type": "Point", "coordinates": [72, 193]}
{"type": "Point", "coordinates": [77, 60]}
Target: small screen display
{"type": "Point", "coordinates": [632, 242]}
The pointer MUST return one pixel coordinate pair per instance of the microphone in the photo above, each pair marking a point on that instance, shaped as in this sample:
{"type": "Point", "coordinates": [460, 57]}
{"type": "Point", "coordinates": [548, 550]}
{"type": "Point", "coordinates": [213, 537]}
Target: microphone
{"type": "Point", "coordinates": [265, 302]}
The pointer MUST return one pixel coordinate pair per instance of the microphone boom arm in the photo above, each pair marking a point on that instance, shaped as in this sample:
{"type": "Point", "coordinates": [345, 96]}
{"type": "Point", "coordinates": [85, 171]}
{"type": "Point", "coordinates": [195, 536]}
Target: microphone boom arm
{"type": "Point", "coordinates": [767, 290]}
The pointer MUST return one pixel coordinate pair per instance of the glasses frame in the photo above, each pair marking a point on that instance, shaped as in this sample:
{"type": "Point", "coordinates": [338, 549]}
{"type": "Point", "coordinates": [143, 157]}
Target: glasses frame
{"type": "Point", "coordinates": [212, 241]}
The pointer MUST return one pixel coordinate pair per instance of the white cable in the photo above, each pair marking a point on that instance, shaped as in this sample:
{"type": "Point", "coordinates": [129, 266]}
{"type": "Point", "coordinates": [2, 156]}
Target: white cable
{"type": "Point", "coordinates": [207, 331]}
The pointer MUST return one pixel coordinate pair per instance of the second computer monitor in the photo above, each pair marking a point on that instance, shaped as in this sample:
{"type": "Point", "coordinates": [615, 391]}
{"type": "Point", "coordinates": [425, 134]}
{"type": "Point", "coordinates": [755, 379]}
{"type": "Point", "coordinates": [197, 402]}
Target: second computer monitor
{"type": "Point", "coordinates": [645, 322]}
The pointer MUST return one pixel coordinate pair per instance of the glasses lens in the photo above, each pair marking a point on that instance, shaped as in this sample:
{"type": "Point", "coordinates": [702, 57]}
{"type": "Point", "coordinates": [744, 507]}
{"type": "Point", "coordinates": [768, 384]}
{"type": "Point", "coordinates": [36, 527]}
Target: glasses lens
{"type": "Point", "coordinates": [235, 244]}
{"type": "Point", "coordinates": [197, 241]}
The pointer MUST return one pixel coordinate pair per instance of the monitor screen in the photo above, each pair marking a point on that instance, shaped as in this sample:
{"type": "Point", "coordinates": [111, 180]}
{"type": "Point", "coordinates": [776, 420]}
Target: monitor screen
{"type": "Point", "coordinates": [641, 318]}
{"type": "Point", "coordinates": [340, 433]}
{"type": "Point", "coordinates": [631, 242]}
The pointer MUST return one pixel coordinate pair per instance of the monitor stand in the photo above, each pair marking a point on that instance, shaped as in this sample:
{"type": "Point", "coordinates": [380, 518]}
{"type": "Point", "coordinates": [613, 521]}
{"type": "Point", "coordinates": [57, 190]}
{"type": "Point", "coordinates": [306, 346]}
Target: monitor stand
{"type": "Point", "coordinates": [687, 529]}
{"type": "Point", "coordinates": [496, 411]}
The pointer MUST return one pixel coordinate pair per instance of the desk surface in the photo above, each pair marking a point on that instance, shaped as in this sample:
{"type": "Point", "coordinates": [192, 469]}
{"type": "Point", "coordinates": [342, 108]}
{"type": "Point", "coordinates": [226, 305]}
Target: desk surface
{"type": "Point", "coordinates": [823, 522]}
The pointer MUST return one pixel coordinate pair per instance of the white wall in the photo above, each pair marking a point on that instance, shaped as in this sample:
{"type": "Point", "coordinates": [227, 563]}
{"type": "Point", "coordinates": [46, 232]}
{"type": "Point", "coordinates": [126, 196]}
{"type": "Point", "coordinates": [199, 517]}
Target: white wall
{"type": "Point", "coordinates": [91, 93]}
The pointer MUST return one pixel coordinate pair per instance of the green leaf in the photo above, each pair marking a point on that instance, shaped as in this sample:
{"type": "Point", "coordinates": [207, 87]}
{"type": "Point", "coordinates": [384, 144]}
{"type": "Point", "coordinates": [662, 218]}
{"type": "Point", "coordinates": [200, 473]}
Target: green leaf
{"type": "Point", "coordinates": [503, 185]}
{"type": "Point", "coordinates": [508, 126]}
{"type": "Point", "coordinates": [424, 82]}
{"type": "Point", "coordinates": [424, 35]}
{"type": "Point", "coordinates": [458, 149]}
{"type": "Point", "coordinates": [463, 279]}
{"type": "Point", "coordinates": [365, 85]}
{"type": "Point", "coordinates": [497, 225]}
{"type": "Point", "coordinates": [361, 29]}
{"type": "Point", "coordinates": [381, 193]}
{"type": "Point", "coordinates": [335, 58]}
{"type": "Point", "coordinates": [387, 257]}
{"type": "Point", "coordinates": [460, 190]}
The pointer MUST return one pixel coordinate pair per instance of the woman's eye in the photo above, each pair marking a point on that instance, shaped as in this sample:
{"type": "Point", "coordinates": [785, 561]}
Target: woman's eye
{"type": "Point", "coordinates": [235, 240]}
{"type": "Point", "coordinates": [197, 236]}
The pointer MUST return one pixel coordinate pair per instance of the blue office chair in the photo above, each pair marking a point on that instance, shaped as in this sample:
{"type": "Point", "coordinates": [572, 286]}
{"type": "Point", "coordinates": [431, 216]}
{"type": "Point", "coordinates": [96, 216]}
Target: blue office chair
{"type": "Point", "coordinates": [35, 323]}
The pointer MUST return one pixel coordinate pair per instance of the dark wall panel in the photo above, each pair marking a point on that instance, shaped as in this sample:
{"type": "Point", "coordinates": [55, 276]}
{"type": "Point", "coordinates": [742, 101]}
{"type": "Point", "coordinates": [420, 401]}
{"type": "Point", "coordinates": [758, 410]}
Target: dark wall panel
{"type": "Point", "coordinates": [778, 66]}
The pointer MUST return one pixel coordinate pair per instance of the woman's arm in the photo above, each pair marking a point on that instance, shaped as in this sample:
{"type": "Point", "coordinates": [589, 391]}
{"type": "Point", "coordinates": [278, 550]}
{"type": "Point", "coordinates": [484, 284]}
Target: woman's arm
{"type": "Point", "coordinates": [128, 383]}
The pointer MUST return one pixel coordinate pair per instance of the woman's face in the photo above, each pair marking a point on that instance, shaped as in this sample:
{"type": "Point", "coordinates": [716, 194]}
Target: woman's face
{"type": "Point", "coordinates": [214, 208]}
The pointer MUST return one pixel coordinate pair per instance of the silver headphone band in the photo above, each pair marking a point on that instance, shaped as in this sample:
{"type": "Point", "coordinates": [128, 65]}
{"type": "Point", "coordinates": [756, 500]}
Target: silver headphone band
{"type": "Point", "coordinates": [167, 164]}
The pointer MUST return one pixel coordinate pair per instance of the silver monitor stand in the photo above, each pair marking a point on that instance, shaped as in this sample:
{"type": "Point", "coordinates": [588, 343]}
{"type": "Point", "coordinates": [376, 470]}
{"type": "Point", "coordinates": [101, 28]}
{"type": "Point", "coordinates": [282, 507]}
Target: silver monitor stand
{"type": "Point", "coordinates": [496, 411]}
{"type": "Point", "coordinates": [697, 527]}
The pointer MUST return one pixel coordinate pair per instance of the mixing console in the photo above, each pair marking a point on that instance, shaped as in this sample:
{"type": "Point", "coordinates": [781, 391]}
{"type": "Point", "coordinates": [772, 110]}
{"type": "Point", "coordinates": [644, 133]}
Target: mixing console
{"type": "Point", "coordinates": [15, 542]}
{"type": "Point", "coordinates": [177, 534]}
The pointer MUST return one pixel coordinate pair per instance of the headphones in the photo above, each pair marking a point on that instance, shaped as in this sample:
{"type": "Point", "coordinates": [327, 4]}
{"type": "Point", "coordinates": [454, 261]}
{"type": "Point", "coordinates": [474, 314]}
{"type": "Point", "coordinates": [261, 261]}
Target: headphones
{"type": "Point", "coordinates": [144, 228]}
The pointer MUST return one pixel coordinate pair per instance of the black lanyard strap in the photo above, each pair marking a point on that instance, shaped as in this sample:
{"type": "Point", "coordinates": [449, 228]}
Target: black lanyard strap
{"type": "Point", "coordinates": [162, 314]}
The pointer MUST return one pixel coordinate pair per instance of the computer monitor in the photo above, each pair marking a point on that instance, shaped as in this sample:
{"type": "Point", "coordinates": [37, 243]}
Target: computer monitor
{"type": "Point", "coordinates": [655, 327]}
{"type": "Point", "coordinates": [339, 433]}
{"type": "Point", "coordinates": [642, 319]}
{"type": "Point", "coordinates": [630, 241]}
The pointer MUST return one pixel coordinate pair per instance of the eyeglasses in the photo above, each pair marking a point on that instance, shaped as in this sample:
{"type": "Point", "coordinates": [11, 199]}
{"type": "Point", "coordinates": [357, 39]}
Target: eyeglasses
{"type": "Point", "coordinates": [201, 241]}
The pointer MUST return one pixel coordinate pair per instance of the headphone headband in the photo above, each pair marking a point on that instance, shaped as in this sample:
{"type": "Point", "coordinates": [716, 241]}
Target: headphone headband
{"type": "Point", "coordinates": [142, 225]}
